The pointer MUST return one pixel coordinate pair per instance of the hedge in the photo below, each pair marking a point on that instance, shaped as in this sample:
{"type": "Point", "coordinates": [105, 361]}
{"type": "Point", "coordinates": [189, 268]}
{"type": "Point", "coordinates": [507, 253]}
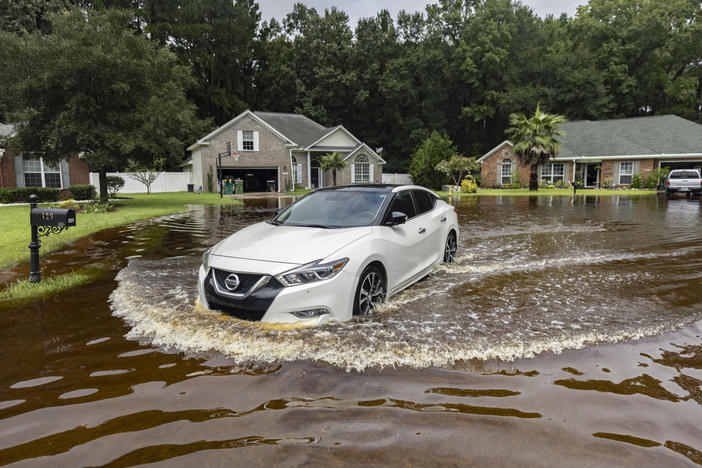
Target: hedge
{"type": "Point", "coordinates": [21, 194]}
{"type": "Point", "coordinates": [83, 192]}
{"type": "Point", "coordinates": [45, 194]}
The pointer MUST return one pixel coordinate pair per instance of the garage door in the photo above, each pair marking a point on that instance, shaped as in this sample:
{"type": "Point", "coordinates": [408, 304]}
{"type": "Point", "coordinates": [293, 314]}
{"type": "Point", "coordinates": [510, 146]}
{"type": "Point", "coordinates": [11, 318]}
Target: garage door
{"type": "Point", "coordinates": [255, 180]}
{"type": "Point", "coordinates": [682, 165]}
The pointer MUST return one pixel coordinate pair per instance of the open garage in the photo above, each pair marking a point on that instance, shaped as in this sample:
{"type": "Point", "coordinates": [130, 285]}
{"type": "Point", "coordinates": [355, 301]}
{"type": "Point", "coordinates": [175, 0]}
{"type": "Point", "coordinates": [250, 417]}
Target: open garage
{"type": "Point", "coordinates": [672, 165]}
{"type": "Point", "coordinates": [264, 179]}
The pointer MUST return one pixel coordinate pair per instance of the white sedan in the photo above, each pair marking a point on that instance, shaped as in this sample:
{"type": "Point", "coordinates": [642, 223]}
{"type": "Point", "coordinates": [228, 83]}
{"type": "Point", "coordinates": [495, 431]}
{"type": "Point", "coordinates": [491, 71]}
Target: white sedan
{"type": "Point", "coordinates": [335, 253]}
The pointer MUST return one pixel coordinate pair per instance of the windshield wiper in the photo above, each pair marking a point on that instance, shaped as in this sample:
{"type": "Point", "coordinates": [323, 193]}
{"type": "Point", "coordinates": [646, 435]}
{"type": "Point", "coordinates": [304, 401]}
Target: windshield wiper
{"type": "Point", "coordinates": [322, 226]}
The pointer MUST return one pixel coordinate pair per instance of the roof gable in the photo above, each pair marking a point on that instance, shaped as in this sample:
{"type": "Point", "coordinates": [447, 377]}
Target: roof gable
{"type": "Point", "coordinates": [204, 141]}
{"type": "Point", "coordinates": [368, 150]}
{"type": "Point", "coordinates": [300, 129]}
{"type": "Point", "coordinates": [336, 137]}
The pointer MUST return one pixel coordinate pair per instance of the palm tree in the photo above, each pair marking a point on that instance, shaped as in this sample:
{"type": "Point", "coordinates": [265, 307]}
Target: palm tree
{"type": "Point", "coordinates": [333, 162]}
{"type": "Point", "coordinates": [535, 139]}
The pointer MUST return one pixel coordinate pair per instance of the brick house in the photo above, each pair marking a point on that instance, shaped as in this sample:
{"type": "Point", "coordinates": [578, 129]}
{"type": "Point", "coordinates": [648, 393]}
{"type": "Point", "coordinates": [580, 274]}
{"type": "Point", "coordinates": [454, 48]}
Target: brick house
{"type": "Point", "coordinates": [594, 151]}
{"type": "Point", "coordinates": [281, 151]}
{"type": "Point", "coordinates": [25, 169]}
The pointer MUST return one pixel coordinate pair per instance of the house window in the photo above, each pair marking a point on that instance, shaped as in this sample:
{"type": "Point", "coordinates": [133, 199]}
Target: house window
{"type": "Point", "coordinates": [247, 140]}
{"type": "Point", "coordinates": [626, 172]}
{"type": "Point", "coordinates": [506, 176]}
{"type": "Point", "coordinates": [37, 173]}
{"type": "Point", "coordinates": [361, 169]}
{"type": "Point", "coordinates": [552, 173]}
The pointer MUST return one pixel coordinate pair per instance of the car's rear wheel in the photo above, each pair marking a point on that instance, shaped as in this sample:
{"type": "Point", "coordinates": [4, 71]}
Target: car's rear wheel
{"type": "Point", "coordinates": [370, 292]}
{"type": "Point", "coordinates": [451, 248]}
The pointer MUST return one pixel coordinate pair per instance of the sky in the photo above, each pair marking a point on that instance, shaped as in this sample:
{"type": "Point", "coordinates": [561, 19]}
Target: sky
{"type": "Point", "coordinates": [362, 8]}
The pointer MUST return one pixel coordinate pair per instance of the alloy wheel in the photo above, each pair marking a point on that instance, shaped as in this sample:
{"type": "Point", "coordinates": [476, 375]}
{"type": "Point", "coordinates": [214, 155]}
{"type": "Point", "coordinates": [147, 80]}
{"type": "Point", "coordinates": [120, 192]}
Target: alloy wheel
{"type": "Point", "coordinates": [371, 293]}
{"type": "Point", "coordinates": [450, 248]}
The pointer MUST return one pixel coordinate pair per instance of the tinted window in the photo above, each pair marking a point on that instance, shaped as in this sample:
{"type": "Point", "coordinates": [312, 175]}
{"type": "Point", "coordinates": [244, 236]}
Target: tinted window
{"type": "Point", "coordinates": [402, 203]}
{"type": "Point", "coordinates": [684, 175]}
{"type": "Point", "coordinates": [334, 208]}
{"type": "Point", "coordinates": [424, 201]}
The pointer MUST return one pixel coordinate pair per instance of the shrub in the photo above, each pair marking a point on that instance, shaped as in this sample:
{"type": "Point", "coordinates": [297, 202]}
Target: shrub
{"type": "Point", "coordinates": [543, 183]}
{"type": "Point", "coordinates": [97, 207]}
{"type": "Point", "coordinates": [69, 205]}
{"type": "Point", "coordinates": [559, 184]}
{"type": "Point", "coordinates": [469, 186]}
{"type": "Point", "coordinates": [478, 178]}
{"type": "Point", "coordinates": [608, 182]}
{"type": "Point", "coordinates": [551, 186]}
{"type": "Point", "coordinates": [516, 180]}
{"type": "Point", "coordinates": [83, 192]}
{"type": "Point", "coordinates": [425, 158]}
{"type": "Point", "coordinates": [636, 181]}
{"type": "Point", "coordinates": [21, 194]}
{"type": "Point", "coordinates": [651, 181]}
{"type": "Point", "coordinates": [114, 185]}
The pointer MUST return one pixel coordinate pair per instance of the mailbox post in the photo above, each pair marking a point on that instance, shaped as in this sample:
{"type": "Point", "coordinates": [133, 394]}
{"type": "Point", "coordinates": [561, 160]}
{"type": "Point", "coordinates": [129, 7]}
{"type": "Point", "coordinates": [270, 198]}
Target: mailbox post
{"type": "Point", "coordinates": [44, 221]}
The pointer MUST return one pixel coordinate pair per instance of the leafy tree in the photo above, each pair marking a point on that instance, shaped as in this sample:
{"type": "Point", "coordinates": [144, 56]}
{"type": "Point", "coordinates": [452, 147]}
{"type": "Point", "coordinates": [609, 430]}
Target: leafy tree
{"type": "Point", "coordinates": [146, 174]}
{"type": "Point", "coordinates": [535, 139]}
{"type": "Point", "coordinates": [457, 167]}
{"type": "Point", "coordinates": [114, 185]}
{"type": "Point", "coordinates": [427, 156]}
{"type": "Point", "coordinates": [332, 162]}
{"type": "Point", "coordinates": [28, 16]}
{"type": "Point", "coordinates": [93, 86]}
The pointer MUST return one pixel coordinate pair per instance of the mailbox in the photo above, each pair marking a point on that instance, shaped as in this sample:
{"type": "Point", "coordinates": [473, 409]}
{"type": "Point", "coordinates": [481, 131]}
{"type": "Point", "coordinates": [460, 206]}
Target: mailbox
{"type": "Point", "coordinates": [52, 217]}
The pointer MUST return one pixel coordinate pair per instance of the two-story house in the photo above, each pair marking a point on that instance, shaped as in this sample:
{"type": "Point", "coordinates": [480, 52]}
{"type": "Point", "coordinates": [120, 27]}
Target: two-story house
{"type": "Point", "coordinates": [282, 151]}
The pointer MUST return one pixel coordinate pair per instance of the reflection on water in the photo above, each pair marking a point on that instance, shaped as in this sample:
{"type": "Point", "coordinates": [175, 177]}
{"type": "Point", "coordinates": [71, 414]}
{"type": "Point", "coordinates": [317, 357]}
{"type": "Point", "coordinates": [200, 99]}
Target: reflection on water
{"type": "Point", "coordinates": [520, 353]}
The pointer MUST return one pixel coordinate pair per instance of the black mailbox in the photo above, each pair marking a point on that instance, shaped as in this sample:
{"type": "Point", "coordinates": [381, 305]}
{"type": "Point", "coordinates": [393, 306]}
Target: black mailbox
{"type": "Point", "coordinates": [52, 217]}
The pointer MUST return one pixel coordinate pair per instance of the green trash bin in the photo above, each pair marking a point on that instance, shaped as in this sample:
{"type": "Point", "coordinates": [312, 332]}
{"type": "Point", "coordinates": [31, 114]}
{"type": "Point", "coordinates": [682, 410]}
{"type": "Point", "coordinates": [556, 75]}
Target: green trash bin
{"type": "Point", "coordinates": [239, 186]}
{"type": "Point", "coordinates": [228, 186]}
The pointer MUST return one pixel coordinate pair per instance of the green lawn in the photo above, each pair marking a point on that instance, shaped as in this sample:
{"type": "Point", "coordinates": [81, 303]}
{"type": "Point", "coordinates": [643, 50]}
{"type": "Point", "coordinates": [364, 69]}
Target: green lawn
{"type": "Point", "coordinates": [14, 220]}
{"type": "Point", "coordinates": [546, 192]}
{"type": "Point", "coordinates": [299, 191]}
{"type": "Point", "coordinates": [22, 291]}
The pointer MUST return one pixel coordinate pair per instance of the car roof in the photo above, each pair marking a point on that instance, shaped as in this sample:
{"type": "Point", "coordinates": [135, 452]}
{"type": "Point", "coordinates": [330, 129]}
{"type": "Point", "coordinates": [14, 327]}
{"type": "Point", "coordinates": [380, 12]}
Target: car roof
{"type": "Point", "coordinates": [374, 188]}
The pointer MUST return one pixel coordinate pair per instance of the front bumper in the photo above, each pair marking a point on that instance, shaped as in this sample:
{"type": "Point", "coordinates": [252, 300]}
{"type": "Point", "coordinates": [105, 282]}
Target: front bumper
{"type": "Point", "coordinates": [274, 303]}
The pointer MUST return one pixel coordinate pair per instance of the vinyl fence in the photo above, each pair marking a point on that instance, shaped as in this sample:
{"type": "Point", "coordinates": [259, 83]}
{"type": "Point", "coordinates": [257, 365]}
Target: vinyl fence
{"type": "Point", "coordinates": [165, 182]}
{"type": "Point", "coordinates": [397, 178]}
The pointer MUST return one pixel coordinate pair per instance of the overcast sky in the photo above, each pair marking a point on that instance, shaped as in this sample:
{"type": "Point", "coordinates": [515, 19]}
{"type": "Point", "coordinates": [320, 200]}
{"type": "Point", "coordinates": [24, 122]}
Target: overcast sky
{"type": "Point", "coordinates": [362, 8]}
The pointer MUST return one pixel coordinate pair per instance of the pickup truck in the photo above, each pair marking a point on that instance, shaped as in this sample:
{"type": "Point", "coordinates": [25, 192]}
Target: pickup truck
{"type": "Point", "coordinates": [683, 180]}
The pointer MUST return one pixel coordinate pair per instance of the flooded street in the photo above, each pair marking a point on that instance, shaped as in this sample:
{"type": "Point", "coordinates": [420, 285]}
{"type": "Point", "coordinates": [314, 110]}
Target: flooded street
{"type": "Point", "coordinates": [569, 332]}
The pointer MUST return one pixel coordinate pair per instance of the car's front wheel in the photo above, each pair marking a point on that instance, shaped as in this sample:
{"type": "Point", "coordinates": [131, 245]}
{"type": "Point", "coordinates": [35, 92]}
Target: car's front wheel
{"type": "Point", "coordinates": [370, 291]}
{"type": "Point", "coordinates": [450, 248]}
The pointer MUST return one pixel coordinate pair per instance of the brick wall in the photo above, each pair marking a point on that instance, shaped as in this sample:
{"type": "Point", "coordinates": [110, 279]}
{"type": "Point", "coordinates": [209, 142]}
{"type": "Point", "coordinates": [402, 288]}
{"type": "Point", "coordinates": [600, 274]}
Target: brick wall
{"type": "Point", "coordinates": [7, 170]}
{"type": "Point", "coordinates": [78, 171]}
{"type": "Point", "coordinates": [491, 165]}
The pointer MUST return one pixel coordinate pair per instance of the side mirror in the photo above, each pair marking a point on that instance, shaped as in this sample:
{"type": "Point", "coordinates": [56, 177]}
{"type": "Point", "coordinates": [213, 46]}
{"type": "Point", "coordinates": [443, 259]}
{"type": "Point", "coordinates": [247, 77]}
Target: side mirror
{"type": "Point", "coordinates": [397, 217]}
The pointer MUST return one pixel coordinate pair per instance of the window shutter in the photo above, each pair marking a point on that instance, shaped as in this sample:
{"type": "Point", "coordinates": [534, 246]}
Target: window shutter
{"type": "Point", "coordinates": [239, 140]}
{"type": "Point", "coordinates": [566, 172]}
{"type": "Point", "coordinates": [370, 169]}
{"type": "Point", "coordinates": [353, 173]}
{"type": "Point", "coordinates": [299, 173]}
{"type": "Point", "coordinates": [499, 174]}
{"type": "Point", "coordinates": [65, 174]}
{"type": "Point", "coordinates": [255, 141]}
{"type": "Point", "coordinates": [615, 176]}
{"type": "Point", "coordinates": [636, 167]}
{"type": "Point", "coordinates": [19, 171]}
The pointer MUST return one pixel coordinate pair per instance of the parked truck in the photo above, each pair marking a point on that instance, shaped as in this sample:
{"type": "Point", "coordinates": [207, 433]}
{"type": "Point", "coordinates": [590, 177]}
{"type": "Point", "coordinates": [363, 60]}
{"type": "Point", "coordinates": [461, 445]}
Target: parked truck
{"type": "Point", "coordinates": [683, 180]}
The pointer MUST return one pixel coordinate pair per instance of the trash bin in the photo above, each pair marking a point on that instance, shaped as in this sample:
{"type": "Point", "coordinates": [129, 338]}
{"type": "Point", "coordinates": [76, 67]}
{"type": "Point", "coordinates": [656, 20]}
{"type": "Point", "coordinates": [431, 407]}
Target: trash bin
{"type": "Point", "coordinates": [228, 186]}
{"type": "Point", "coordinates": [270, 186]}
{"type": "Point", "coordinates": [191, 187]}
{"type": "Point", "coordinates": [239, 186]}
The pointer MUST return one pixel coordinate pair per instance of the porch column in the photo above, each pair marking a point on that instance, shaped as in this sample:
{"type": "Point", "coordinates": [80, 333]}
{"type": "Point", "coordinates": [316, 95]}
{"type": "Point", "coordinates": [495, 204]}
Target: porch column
{"type": "Point", "coordinates": [572, 180]}
{"type": "Point", "coordinates": [309, 172]}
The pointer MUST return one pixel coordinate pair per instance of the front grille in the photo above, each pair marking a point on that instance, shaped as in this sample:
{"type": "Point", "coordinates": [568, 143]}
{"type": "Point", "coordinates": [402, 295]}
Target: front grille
{"type": "Point", "coordinates": [247, 307]}
{"type": "Point", "coordinates": [246, 280]}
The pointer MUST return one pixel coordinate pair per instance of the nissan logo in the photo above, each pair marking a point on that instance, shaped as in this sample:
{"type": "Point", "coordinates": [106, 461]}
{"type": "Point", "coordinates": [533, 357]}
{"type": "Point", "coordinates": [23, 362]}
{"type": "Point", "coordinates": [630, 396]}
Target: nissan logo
{"type": "Point", "coordinates": [231, 282]}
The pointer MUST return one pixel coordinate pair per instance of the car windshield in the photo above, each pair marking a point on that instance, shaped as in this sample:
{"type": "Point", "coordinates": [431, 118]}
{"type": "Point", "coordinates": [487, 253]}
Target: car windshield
{"type": "Point", "coordinates": [333, 209]}
{"type": "Point", "coordinates": [684, 175]}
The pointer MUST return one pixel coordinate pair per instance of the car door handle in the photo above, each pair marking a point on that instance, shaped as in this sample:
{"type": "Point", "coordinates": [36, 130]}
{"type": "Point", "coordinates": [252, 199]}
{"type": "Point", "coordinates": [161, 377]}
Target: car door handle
{"type": "Point", "coordinates": [422, 230]}
{"type": "Point", "coordinates": [443, 219]}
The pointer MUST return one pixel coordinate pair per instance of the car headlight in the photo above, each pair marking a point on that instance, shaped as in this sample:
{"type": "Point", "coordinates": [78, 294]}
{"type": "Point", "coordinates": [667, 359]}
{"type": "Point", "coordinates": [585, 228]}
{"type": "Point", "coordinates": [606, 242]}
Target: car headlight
{"type": "Point", "coordinates": [312, 272]}
{"type": "Point", "coordinates": [206, 258]}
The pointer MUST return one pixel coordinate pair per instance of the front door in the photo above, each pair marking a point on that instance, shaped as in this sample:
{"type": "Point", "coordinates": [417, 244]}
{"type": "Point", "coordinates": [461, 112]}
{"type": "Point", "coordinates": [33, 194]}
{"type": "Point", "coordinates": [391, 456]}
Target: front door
{"type": "Point", "coordinates": [592, 173]}
{"type": "Point", "coordinates": [316, 177]}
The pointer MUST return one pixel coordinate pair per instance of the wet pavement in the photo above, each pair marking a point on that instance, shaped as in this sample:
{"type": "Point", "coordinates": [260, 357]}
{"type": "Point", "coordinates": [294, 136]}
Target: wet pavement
{"type": "Point", "coordinates": [568, 333]}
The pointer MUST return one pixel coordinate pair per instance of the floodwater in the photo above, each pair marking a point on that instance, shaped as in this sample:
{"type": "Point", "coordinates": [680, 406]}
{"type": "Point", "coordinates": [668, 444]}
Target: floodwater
{"type": "Point", "coordinates": [568, 333]}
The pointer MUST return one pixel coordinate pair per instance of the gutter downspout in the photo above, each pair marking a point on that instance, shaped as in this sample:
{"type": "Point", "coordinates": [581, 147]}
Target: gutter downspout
{"type": "Point", "coordinates": [292, 185]}
{"type": "Point", "coordinates": [309, 172]}
{"type": "Point", "coordinates": [572, 181]}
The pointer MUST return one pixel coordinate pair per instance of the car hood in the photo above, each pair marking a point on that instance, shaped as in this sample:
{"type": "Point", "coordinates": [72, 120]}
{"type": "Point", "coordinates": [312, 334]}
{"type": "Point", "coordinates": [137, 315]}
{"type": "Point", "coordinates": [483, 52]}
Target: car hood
{"type": "Point", "coordinates": [287, 244]}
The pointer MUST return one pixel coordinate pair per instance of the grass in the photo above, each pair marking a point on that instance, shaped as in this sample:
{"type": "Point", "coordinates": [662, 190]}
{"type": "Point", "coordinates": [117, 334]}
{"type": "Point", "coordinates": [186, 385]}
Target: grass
{"type": "Point", "coordinates": [547, 192]}
{"type": "Point", "coordinates": [15, 230]}
{"type": "Point", "coordinates": [22, 291]}
{"type": "Point", "coordinates": [299, 191]}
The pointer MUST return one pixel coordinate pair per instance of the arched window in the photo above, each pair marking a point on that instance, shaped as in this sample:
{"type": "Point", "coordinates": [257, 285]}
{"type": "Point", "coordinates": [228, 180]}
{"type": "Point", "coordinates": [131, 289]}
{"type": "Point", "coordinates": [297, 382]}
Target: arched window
{"type": "Point", "coordinates": [362, 169]}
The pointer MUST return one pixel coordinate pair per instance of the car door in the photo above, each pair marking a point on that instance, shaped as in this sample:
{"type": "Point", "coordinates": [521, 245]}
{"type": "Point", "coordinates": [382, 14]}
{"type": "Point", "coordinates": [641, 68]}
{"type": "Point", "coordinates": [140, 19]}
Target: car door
{"type": "Point", "coordinates": [432, 221]}
{"type": "Point", "coordinates": [401, 243]}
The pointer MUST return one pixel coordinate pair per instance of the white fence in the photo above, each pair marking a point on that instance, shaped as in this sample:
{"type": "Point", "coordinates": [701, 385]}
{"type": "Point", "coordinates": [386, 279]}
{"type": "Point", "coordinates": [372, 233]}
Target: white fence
{"type": "Point", "coordinates": [165, 182]}
{"type": "Point", "coordinates": [396, 178]}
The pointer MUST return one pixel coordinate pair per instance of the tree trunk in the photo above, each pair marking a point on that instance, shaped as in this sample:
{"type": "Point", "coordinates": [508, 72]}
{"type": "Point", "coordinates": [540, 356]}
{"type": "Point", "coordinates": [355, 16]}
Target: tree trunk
{"type": "Point", "coordinates": [534, 179]}
{"type": "Point", "coordinates": [334, 177]}
{"type": "Point", "coordinates": [102, 177]}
